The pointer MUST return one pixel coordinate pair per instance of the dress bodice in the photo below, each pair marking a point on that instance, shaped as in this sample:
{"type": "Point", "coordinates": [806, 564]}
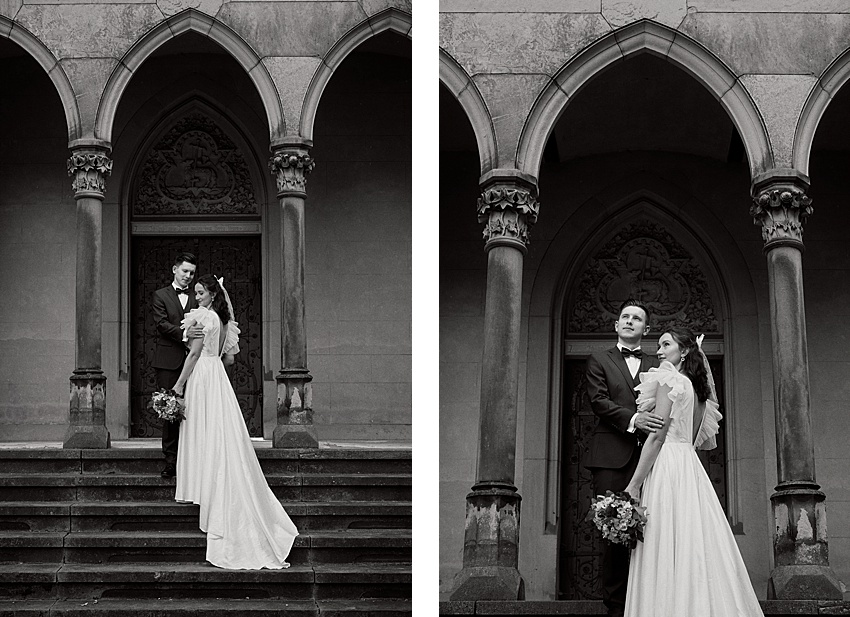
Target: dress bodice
{"type": "Point", "coordinates": [211, 323]}
{"type": "Point", "coordinates": [682, 413]}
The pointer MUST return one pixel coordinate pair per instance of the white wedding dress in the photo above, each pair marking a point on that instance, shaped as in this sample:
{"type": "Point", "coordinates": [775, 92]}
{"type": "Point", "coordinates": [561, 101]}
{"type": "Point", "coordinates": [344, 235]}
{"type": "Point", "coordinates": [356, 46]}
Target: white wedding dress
{"type": "Point", "coordinates": [688, 563]}
{"type": "Point", "coordinates": [217, 468]}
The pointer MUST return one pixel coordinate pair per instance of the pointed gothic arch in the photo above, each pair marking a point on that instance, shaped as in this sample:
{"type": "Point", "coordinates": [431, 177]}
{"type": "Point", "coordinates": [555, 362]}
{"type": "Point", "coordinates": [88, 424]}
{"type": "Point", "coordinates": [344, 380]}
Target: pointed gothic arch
{"type": "Point", "coordinates": [824, 90]}
{"type": "Point", "coordinates": [189, 20]}
{"type": "Point", "coordinates": [644, 36]}
{"type": "Point", "coordinates": [34, 47]}
{"type": "Point", "coordinates": [390, 19]}
{"type": "Point", "coordinates": [458, 82]}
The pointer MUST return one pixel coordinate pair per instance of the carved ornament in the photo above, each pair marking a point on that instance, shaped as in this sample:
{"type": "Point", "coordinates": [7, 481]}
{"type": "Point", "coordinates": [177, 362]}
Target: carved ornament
{"type": "Point", "coordinates": [290, 169]}
{"type": "Point", "coordinates": [507, 214]}
{"type": "Point", "coordinates": [646, 262]}
{"type": "Point", "coordinates": [781, 212]}
{"type": "Point", "coordinates": [195, 168]}
{"type": "Point", "coordinates": [89, 171]}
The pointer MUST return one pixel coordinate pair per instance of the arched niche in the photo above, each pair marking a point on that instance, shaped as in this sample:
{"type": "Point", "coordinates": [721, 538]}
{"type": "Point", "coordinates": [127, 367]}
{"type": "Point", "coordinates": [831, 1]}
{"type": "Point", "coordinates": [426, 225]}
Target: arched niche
{"type": "Point", "coordinates": [34, 47]}
{"type": "Point", "coordinates": [189, 20]}
{"type": "Point", "coordinates": [640, 37]}
{"type": "Point", "coordinates": [390, 19]}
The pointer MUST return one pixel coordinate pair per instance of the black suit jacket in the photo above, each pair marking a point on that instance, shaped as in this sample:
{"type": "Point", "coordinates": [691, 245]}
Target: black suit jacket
{"type": "Point", "coordinates": [167, 314]}
{"type": "Point", "coordinates": [610, 387]}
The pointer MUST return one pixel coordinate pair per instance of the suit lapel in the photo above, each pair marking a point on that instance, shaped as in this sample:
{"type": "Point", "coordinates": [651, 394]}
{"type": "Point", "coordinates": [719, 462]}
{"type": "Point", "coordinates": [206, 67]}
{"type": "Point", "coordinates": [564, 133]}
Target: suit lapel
{"type": "Point", "coordinates": [620, 362]}
{"type": "Point", "coordinates": [171, 294]}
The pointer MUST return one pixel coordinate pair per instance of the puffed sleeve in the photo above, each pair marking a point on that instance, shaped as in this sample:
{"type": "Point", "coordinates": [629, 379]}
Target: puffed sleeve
{"type": "Point", "coordinates": [231, 341]}
{"type": "Point", "coordinates": [200, 316]}
{"type": "Point", "coordinates": [665, 374]}
{"type": "Point", "coordinates": [707, 434]}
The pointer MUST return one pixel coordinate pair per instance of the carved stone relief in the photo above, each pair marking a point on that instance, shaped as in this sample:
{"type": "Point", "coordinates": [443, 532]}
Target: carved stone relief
{"type": "Point", "coordinates": [194, 169]}
{"type": "Point", "coordinates": [645, 262]}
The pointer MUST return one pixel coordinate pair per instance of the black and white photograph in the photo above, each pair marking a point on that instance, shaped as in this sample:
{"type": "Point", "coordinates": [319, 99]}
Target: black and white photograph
{"type": "Point", "coordinates": [206, 307]}
{"type": "Point", "coordinates": [643, 295]}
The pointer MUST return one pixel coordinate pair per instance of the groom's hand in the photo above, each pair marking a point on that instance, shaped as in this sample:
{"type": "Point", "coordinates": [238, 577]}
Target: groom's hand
{"type": "Point", "coordinates": [648, 422]}
{"type": "Point", "coordinates": [195, 331]}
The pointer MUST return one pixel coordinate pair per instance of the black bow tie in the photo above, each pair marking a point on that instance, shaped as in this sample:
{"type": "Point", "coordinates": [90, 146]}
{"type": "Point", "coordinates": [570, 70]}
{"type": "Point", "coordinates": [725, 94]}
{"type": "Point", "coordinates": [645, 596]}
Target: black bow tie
{"type": "Point", "coordinates": [181, 291]}
{"type": "Point", "coordinates": [637, 353]}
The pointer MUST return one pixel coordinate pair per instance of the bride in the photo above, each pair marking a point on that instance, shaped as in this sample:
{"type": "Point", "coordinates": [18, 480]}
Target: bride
{"type": "Point", "coordinates": [217, 467]}
{"type": "Point", "coordinates": [688, 563]}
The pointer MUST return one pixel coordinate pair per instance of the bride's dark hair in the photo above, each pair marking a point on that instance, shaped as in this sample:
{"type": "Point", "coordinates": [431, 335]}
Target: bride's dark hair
{"type": "Point", "coordinates": [692, 362]}
{"type": "Point", "coordinates": [219, 304]}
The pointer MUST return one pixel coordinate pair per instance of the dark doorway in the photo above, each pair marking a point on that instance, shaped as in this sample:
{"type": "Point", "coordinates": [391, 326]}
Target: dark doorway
{"type": "Point", "coordinates": [580, 546]}
{"type": "Point", "coordinates": [237, 259]}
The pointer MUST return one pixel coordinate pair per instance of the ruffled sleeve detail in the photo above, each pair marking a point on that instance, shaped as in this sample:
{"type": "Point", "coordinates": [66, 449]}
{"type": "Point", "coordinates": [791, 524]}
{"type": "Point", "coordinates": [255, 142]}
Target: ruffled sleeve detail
{"type": "Point", "coordinates": [707, 435]}
{"type": "Point", "coordinates": [665, 374]}
{"type": "Point", "coordinates": [231, 341]}
{"type": "Point", "coordinates": [199, 315]}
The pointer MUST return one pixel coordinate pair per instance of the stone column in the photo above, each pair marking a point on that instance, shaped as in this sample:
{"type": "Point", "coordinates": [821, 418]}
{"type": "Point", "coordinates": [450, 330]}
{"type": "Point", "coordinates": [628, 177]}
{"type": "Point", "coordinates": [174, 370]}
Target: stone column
{"type": "Point", "coordinates": [290, 164]}
{"type": "Point", "coordinates": [801, 554]}
{"type": "Point", "coordinates": [508, 208]}
{"type": "Point", "coordinates": [88, 166]}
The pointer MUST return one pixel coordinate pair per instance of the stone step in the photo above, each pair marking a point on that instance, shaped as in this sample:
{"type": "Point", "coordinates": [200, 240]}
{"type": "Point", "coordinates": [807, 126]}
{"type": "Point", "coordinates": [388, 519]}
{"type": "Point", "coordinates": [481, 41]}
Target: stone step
{"type": "Point", "coordinates": [115, 487]}
{"type": "Point", "coordinates": [135, 461]}
{"type": "Point", "coordinates": [573, 608]}
{"type": "Point", "coordinates": [384, 546]}
{"type": "Point", "coordinates": [171, 516]}
{"type": "Point", "coordinates": [201, 607]}
{"type": "Point", "coordinates": [176, 580]}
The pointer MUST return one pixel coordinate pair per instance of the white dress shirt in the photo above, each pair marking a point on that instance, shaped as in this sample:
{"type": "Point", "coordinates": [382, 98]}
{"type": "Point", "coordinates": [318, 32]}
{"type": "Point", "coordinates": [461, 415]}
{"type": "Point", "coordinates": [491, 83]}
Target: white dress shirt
{"type": "Point", "coordinates": [634, 366]}
{"type": "Point", "coordinates": [184, 298]}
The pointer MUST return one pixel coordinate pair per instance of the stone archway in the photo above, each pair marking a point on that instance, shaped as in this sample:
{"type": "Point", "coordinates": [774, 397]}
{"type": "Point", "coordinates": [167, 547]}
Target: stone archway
{"type": "Point", "coordinates": [194, 186]}
{"type": "Point", "coordinates": [540, 457]}
{"type": "Point", "coordinates": [636, 257]}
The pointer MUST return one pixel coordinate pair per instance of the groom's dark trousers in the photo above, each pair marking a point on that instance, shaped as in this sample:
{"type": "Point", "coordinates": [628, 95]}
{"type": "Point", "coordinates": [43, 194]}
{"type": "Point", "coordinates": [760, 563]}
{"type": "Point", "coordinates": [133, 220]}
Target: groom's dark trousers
{"type": "Point", "coordinates": [614, 453]}
{"type": "Point", "coordinates": [169, 355]}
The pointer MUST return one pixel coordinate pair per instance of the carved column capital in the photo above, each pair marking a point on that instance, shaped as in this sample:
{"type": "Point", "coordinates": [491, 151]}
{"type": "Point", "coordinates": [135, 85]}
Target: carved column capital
{"type": "Point", "coordinates": [89, 167]}
{"type": "Point", "coordinates": [290, 168]}
{"type": "Point", "coordinates": [780, 209]}
{"type": "Point", "coordinates": [507, 209]}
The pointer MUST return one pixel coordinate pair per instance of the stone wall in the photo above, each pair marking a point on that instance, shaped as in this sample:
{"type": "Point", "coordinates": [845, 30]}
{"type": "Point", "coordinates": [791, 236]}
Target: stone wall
{"type": "Point", "coordinates": [38, 256]}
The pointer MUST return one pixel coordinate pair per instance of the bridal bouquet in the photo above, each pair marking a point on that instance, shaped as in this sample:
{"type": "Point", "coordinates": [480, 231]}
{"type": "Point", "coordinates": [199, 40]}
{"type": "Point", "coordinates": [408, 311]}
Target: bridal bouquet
{"type": "Point", "coordinates": [619, 517]}
{"type": "Point", "coordinates": [168, 406]}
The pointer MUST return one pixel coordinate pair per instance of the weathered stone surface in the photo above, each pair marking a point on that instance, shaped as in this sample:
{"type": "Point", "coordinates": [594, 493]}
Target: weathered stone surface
{"type": "Point", "coordinates": [509, 98]}
{"type": "Point", "coordinates": [622, 12]}
{"type": "Point", "coordinates": [172, 7]}
{"type": "Point", "coordinates": [88, 77]}
{"type": "Point", "coordinates": [374, 6]}
{"type": "Point", "coordinates": [776, 43]}
{"type": "Point", "coordinates": [292, 28]}
{"type": "Point", "coordinates": [292, 77]}
{"type": "Point", "coordinates": [512, 6]}
{"type": "Point", "coordinates": [9, 8]}
{"type": "Point", "coordinates": [513, 43]}
{"type": "Point", "coordinates": [89, 30]}
{"type": "Point", "coordinates": [780, 98]}
{"type": "Point", "coordinates": [770, 6]}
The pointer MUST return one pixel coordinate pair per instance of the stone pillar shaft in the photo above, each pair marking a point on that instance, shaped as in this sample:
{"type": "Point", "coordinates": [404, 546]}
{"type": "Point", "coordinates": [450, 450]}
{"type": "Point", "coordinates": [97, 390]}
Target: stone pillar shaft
{"type": "Point", "coordinates": [500, 363]}
{"type": "Point", "coordinates": [89, 165]}
{"type": "Point", "coordinates": [801, 553]}
{"type": "Point", "coordinates": [795, 453]}
{"type": "Point", "coordinates": [290, 163]}
{"type": "Point", "coordinates": [507, 208]}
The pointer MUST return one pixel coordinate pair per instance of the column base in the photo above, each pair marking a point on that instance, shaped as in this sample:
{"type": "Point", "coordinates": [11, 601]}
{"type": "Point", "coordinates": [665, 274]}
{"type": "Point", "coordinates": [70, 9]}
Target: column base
{"type": "Point", "coordinates": [800, 582]}
{"type": "Point", "coordinates": [488, 583]}
{"type": "Point", "coordinates": [295, 427]}
{"type": "Point", "coordinates": [87, 427]}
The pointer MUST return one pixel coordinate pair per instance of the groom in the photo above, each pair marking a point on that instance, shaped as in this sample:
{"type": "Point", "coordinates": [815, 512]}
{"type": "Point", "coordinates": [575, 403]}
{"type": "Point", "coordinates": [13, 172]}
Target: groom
{"type": "Point", "coordinates": [170, 304]}
{"type": "Point", "coordinates": [616, 445]}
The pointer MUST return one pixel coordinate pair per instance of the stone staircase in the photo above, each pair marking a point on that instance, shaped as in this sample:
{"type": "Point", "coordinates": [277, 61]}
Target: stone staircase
{"type": "Point", "coordinates": [96, 532]}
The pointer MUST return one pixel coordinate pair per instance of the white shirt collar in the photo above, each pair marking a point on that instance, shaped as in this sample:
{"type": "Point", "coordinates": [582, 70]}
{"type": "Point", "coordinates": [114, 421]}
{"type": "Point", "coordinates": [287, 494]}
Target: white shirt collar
{"type": "Point", "coordinates": [621, 347]}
